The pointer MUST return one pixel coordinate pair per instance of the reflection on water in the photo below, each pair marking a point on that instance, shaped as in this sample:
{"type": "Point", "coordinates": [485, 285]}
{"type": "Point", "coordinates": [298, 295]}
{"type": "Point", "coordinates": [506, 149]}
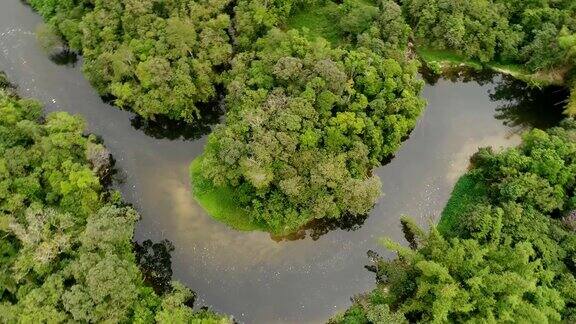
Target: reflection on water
{"type": "Point", "coordinates": [247, 274]}
{"type": "Point", "coordinates": [458, 74]}
{"type": "Point", "coordinates": [520, 105]}
{"type": "Point", "coordinates": [165, 128]}
{"type": "Point", "coordinates": [64, 57]}
{"type": "Point", "coordinates": [523, 106]}
{"type": "Point", "coordinates": [318, 227]}
{"type": "Point", "coordinates": [461, 160]}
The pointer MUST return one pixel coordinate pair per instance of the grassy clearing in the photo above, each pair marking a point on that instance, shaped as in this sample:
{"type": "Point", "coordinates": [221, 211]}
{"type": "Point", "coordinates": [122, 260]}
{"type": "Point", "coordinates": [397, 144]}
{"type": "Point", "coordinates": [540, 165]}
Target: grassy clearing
{"type": "Point", "coordinates": [466, 192]}
{"type": "Point", "coordinates": [449, 59]}
{"type": "Point", "coordinates": [446, 58]}
{"type": "Point", "coordinates": [220, 202]}
{"type": "Point", "coordinates": [319, 22]}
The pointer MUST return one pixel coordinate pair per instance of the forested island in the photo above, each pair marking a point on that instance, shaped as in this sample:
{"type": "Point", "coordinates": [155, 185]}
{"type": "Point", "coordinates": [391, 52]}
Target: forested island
{"type": "Point", "coordinates": [317, 94]}
{"type": "Point", "coordinates": [306, 121]}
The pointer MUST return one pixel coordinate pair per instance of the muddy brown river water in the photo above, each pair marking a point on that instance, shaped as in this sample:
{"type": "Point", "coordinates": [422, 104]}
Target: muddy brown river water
{"type": "Point", "coordinates": [249, 275]}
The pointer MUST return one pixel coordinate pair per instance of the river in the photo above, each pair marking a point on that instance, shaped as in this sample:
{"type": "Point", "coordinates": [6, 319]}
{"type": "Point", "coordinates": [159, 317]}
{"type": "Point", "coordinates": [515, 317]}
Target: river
{"type": "Point", "coordinates": [250, 275]}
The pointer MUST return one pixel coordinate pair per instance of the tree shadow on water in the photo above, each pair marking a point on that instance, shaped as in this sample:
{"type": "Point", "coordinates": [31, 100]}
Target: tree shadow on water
{"type": "Point", "coordinates": [65, 58]}
{"type": "Point", "coordinates": [155, 262]}
{"type": "Point", "coordinates": [458, 74]}
{"type": "Point", "coordinates": [319, 227]}
{"type": "Point", "coordinates": [520, 105]}
{"type": "Point", "coordinates": [524, 106]}
{"type": "Point", "coordinates": [165, 128]}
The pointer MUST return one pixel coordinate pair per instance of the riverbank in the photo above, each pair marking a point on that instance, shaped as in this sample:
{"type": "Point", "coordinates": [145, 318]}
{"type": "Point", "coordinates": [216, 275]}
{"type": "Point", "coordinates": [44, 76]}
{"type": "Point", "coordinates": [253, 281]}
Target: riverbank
{"type": "Point", "coordinates": [467, 192]}
{"type": "Point", "coordinates": [441, 60]}
{"type": "Point", "coordinates": [220, 202]}
{"type": "Point", "coordinates": [509, 219]}
{"type": "Point", "coordinates": [235, 270]}
{"type": "Point", "coordinates": [63, 228]}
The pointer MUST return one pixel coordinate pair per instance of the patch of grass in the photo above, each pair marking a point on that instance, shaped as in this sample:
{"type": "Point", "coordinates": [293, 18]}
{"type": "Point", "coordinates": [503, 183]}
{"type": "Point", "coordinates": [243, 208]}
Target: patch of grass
{"type": "Point", "coordinates": [446, 58]}
{"type": "Point", "coordinates": [220, 202]}
{"type": "Point", "coordinates": [539, 79]}
{"type": "Point", "coordinates": [319, 22]}
{"type": "Point", "coordinates": [467, 192]}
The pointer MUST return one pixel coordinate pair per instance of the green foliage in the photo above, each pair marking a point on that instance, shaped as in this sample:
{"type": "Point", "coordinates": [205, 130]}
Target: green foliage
{"type": "Point", "coordinates": [532, 40]}
{"type": "Point", "coordinates": [222, 203]}
{"type": "Point", "coordinates": [337, 23]}
{"type": "Point", "coordinates": [462, 280]}
{"type": "Point", "coordinates": [525, 32]}
{"type": "Point", "coordinates": [306, 124]}
{"type": "Point", "coordinates": [155, 57]}
{"type": "Point", "coordinates": [65, 246]}
{"type": "Point", "coordinates": [255, 18]}
{"type": "Point", "coordinates": [467, 192]}
{"type": "Point", "coordinates": [318, 20]}
{"type": "Point", "coordinates": [504, 250]}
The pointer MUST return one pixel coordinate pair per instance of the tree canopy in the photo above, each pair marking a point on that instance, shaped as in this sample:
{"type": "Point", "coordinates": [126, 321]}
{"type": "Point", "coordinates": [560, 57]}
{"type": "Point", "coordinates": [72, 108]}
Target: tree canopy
{"type": "Point", "coordinates": [533, 33]}
{"type": "Point", "coordinates": [307, 122]}
{"type": "Point", "coordinates": [158, 58]}
{"type": "Point", "coordinates": [66, 251]}
{"type": "Point", "coordinates": [504, 250]}
{"type": "Point", "coordinates": [537, 36]}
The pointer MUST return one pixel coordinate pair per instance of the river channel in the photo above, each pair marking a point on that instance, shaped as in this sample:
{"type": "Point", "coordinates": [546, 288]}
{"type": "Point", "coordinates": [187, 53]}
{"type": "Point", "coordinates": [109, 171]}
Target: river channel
{"type": "Point", "coordinates": [256, 278]}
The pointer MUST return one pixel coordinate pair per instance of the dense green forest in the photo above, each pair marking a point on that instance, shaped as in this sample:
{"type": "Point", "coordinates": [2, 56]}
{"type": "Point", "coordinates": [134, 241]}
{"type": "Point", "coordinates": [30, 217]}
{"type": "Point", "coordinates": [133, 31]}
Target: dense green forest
{"type": "Point", "coordinates": [66, 250]}
{"type": "Point", "coordinates": [158, 58]}
{"type": "Point", "coordinates": [535, 36]}
{"type": "Point", "coordinates": [317, 93]}
{"type": "Point", "coordinates": [307, 121]}
{"type": "Point", "coordinates": [166, 58]}
{"type": "Point", "coordinates": [504, 250]}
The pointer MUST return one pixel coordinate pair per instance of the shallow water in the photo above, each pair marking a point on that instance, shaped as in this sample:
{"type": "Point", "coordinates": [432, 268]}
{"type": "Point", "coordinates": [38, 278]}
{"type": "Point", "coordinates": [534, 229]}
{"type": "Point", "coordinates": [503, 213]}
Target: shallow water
{"type": "Point", "coordinates": [250, 275]}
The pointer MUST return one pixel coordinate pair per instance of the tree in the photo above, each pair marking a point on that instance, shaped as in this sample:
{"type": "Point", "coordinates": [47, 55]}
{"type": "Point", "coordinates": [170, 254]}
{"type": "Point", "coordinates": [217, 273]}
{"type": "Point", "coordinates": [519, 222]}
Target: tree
{"type": "Point", "coordinates": [499, 252]}
{"type": "Point", "coordinates": [65, 241]}
{"type": "Point", "coordinates": [305, 125]}
{"type": "Point", "coordinates": [156, 58]}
